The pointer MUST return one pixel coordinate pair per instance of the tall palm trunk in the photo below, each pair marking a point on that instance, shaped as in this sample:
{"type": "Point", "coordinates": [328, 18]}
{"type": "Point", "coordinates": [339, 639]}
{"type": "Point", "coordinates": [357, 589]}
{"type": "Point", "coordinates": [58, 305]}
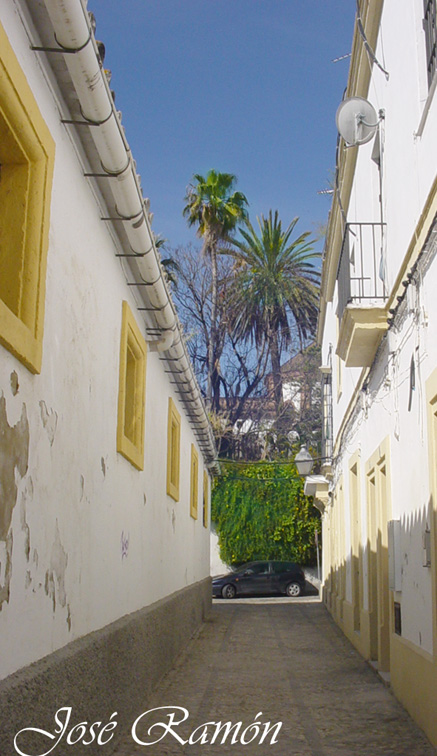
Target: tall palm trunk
{"type": "Point", "coordinates": [216, 209]}
{"type": "Point", "coordinates": [213, 334]}
{"type": "Point", "coordinates": [276, 368]}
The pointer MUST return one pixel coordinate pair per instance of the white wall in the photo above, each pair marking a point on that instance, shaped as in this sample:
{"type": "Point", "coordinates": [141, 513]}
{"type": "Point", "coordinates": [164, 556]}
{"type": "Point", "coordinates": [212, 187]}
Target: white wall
{"type": "Point", "coordinates": [218, 567]}
{"type": "Point", "coordinates": [93, 538]}
{"type": "Point", "coordinates": [409, 171]}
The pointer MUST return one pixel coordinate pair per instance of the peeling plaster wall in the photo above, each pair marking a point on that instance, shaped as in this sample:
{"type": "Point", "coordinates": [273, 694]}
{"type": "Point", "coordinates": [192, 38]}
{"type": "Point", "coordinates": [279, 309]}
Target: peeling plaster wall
{"type": "Point", "coordinates": [14, 453]}
{"type": "Point", "coordinates": [85, 538]}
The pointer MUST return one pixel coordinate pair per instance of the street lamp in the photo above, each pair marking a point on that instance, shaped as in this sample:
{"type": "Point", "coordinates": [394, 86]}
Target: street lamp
{"type": "Point", "coordinates": [304, 461]}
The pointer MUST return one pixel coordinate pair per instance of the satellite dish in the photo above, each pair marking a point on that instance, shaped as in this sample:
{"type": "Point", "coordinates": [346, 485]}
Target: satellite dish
{"type": "Point", "coordinates": [356, 121]}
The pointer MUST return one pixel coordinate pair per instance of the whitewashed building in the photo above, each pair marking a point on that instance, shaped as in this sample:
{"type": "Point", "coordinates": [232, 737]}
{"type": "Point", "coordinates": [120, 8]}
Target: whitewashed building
{"type": "Point", "coordinates": [105, 446]}
{"type": "Point", "coordinates": [378, 330]}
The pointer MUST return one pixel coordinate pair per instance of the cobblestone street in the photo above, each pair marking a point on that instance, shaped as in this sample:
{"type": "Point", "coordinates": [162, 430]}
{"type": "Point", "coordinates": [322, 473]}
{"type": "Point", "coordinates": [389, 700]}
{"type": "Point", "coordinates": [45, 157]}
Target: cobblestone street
{"type": "Point", "coordinates": [288, 660]}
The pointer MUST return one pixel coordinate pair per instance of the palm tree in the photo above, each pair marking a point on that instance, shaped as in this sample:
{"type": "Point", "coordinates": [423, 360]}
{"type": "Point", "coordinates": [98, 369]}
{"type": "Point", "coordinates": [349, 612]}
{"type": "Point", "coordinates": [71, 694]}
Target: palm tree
{"type": "Point", "coordinates": [275, 289]}
{"type": "Point", "coordinates": [215, 208]}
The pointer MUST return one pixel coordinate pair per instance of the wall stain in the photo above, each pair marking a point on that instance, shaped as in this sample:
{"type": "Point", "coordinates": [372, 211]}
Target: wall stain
{"type": "Point", "coordinates": [103, 464]}
{"type": "Point", "coordinates": [49, 587]}
{"type": "Point", "coordinates": [14, 383]}
{"type": "Point", "coordinates": [49, 420]}
{"type": "Point", "coordinates": [124, 542]}
{"type": "Point", "coordinates": [14, 453]}
{"type": "Point", "coordinates": [6, 569]}
{"type": "Point", "coordinates": [55, 575]}
{"type": "Point", "coordinates": [26, 529]}
{"type": "Point", "coordinates": [14, 457]}
{"type": "Point", "coordinates": [29, 488]}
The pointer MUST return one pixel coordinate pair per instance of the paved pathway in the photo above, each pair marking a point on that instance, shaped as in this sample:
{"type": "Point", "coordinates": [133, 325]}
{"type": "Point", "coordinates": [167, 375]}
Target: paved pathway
{"type": "Point", "coordinates": [288, 660]}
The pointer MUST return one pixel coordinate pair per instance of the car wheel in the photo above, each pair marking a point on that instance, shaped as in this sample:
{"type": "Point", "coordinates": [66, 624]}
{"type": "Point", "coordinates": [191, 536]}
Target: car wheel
{"type": "Point", "coordinates": [293, 590]}
{"type": "Point", "coordinates": [228, 591]}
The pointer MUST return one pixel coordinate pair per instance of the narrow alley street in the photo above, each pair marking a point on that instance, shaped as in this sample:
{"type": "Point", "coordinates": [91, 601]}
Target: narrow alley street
{"type": "Point", "coordinates": [288, 660]}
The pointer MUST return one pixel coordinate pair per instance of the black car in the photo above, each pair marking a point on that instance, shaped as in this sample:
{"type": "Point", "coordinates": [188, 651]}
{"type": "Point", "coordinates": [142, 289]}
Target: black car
{"type": "Point", "coordinates": [260, 578]}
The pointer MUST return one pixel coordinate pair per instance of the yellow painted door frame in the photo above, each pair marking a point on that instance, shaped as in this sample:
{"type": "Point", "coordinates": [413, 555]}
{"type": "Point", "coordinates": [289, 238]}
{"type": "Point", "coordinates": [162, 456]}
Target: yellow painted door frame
{"type": "Point", "coordinates": [356, 551]}
{"type": "Point", "coordinates": [380, 598]}
{"type": "Point", "coordinates": [382, 562]}
{"type": "Point", "coordinates": [372, 572]}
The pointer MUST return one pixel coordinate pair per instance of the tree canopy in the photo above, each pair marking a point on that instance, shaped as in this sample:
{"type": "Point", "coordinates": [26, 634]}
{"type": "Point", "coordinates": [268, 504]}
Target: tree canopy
{"type": "Point", "coordinates": [248, 300]}
{"type": "Point", "coordinates": [213, 206]}
{"type": "Point", "coordinates": [275, 290]}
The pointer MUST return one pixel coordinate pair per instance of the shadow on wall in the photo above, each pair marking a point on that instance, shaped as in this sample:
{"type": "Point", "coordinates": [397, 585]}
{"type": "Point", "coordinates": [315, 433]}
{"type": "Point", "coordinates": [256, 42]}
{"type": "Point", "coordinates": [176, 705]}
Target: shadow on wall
{"type": "Point", "coordinates": [381, 591]}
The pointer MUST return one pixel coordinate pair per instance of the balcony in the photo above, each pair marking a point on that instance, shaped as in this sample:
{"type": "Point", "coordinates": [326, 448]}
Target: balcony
{"type": "Point", "coordinates": [362, 294]}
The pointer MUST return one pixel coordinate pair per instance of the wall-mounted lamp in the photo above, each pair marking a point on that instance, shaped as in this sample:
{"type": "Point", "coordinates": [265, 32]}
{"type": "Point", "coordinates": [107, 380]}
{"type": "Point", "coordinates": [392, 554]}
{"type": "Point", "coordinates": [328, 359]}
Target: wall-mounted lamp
{"type": "Point", "coordinates": [304, 461]}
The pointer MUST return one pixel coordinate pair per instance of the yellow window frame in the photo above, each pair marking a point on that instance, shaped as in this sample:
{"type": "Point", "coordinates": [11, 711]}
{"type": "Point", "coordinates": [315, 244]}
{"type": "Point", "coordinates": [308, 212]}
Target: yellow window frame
{"type": "Point", "coordinates": [132, 389]}
{"type": "Point", "coordinates": [27, 154]}
{"type": "Point", "coordinates": [194, 483]}
{"type": "Point", "coordinates": [173, 450]}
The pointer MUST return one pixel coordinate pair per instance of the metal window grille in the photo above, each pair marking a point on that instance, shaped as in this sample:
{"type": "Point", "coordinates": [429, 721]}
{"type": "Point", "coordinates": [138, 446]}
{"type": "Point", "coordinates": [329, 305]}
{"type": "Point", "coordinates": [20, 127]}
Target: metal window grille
{"type": "Point", "coordinates": [327, 424]}
{"type": "Point", "coordinates": [430, 28]}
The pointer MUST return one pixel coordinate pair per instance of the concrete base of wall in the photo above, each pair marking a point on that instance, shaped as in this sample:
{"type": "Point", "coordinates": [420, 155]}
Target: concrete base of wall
{"type": "Point", "coordinates": [112, 669]}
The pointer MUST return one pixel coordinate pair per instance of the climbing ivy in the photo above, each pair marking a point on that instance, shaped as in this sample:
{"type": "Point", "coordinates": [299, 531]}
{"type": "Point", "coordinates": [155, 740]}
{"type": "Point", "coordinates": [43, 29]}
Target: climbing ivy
{"type": "Point", "coordinates": [260, 512]}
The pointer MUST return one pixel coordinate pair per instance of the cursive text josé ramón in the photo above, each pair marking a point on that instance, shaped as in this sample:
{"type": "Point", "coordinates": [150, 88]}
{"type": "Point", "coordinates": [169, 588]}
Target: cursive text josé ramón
{"type": "Point", "coordinates": [151, 727]}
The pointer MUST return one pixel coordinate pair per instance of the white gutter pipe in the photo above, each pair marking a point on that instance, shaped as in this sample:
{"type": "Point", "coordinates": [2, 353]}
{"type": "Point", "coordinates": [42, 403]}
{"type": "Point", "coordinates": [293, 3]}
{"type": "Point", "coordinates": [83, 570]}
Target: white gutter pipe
{"type": "Point", "coordinates": [73, 32]}
{"type": "Point", "coordinates": [163, 344]}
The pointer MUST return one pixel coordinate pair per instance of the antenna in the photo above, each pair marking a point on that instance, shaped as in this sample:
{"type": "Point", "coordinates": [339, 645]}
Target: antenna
{"type": "Point", "coordinates": [356, 121]}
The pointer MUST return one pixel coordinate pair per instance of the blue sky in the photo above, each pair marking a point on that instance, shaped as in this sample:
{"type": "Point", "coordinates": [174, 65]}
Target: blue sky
{"type": "Point", "coordinates": [242, 86]}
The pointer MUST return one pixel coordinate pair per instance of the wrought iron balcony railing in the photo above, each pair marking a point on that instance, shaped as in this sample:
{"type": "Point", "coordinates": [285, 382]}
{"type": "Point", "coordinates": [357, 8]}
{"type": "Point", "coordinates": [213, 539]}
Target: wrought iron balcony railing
{"type": "Point", "coordinates": [361, 270]}
{"type": "Point", "coordinates": [327, 424]}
